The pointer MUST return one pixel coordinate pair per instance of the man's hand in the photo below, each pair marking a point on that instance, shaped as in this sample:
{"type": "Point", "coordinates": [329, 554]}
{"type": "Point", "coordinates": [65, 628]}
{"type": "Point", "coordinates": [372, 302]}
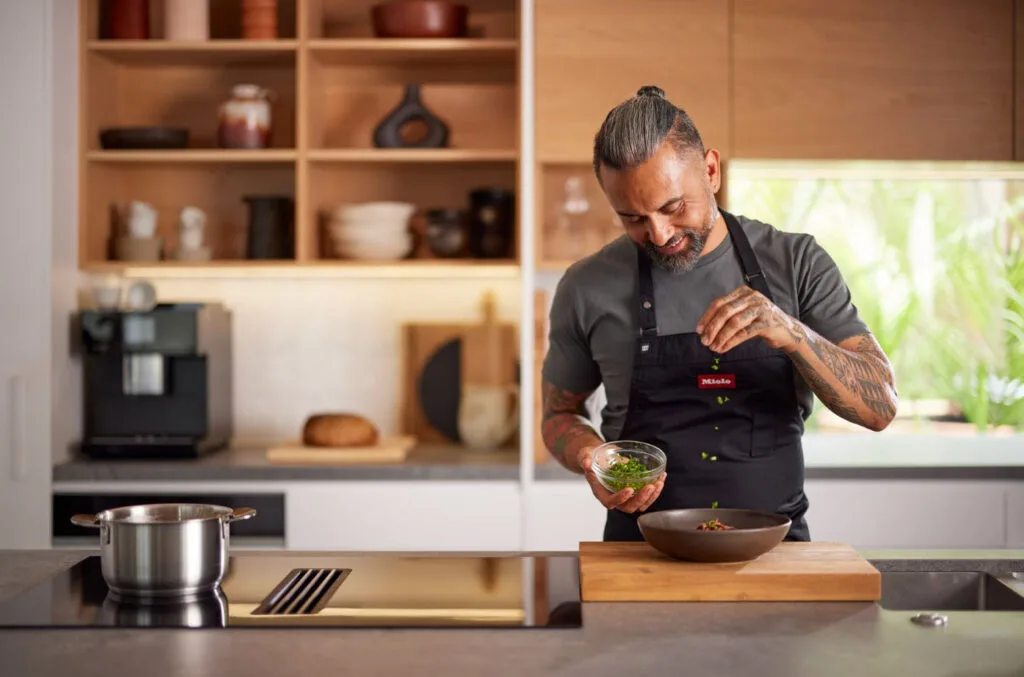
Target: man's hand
{"type": "Point", "coordinates": [854, 379]}
{"type": "Point", "coordinates": [625, 500]}
{"type": "Point", "coordinates": [744, 314]}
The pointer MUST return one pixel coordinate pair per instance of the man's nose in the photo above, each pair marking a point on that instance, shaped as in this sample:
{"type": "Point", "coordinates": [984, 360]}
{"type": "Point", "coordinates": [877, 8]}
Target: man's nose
{"type": "Point", "coordinates": [659, 230]}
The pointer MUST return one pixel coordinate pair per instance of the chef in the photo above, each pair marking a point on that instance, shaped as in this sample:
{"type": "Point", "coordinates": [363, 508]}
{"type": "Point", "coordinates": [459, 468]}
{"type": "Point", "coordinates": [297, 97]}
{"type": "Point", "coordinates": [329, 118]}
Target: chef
{"type": "Point", "coordinates": [710, 332]}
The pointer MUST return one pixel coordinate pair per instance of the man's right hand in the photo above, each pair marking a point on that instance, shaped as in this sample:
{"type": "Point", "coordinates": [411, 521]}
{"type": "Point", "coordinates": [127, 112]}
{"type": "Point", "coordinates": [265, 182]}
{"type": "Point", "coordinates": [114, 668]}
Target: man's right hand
{"type": "Point", "coordinates": [626, 500]}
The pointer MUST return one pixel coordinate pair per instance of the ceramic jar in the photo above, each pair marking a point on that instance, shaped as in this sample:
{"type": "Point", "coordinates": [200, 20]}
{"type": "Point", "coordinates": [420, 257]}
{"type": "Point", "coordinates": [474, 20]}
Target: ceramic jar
{"type": "Point", "coordinates": [259, 19]}
{"type": "Point", "coordinates": [187, 20]}
{"type": "Point", "coordinates": [129, 19]}
{"type": "Point", "coordinates": [245, 119]}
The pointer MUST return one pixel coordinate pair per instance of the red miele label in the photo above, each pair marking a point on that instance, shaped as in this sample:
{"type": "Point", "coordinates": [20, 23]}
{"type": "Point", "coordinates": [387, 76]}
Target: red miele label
{"type": "Point", "coordinates": [716, 381]}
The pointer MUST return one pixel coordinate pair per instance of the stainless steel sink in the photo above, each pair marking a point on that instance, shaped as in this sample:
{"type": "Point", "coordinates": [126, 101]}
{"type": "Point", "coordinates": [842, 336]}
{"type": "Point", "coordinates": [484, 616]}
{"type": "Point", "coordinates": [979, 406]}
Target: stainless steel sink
{"type": "Point", "coordinates": [947, 591]}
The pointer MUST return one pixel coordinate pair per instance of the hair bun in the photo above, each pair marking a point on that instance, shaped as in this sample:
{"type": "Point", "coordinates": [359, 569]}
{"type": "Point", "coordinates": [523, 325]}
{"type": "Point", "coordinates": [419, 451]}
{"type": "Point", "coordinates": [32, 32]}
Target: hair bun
{"type": "Point", "coordinates": [651, 90]}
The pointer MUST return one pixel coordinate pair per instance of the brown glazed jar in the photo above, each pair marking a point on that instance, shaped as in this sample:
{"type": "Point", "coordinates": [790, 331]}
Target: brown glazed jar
{"type": "Point", "coordinates": [129, 19]}
{"type": "Point", "coordinates": [259, 19]}
{"type": "Point", "coordinates": [245, 119]}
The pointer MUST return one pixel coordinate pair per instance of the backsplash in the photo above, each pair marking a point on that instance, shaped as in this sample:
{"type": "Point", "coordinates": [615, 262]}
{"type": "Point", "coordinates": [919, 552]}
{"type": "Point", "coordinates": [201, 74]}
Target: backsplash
{"type": "Point", "coordinates": [307, 345]}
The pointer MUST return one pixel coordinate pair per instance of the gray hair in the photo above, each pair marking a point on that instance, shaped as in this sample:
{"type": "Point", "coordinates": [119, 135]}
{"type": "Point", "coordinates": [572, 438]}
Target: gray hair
{"type": "Point", "coordinates": [633, 131]}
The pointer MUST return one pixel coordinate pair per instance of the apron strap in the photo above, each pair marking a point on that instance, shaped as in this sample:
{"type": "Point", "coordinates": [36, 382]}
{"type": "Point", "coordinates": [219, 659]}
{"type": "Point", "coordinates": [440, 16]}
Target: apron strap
{"type": "Point", "coordinates": [752, 274]}
{"type": "Point", "coordinates": [648, 320]}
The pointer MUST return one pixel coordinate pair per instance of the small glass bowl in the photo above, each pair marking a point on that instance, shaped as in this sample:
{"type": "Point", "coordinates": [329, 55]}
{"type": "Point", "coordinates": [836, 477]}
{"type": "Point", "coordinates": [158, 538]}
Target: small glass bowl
{"type": "Point", "coordinates": [612, 453]}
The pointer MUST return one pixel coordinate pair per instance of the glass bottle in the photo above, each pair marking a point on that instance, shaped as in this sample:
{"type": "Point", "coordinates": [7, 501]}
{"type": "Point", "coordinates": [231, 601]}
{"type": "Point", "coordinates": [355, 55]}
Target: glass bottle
{"type": "Point", "coordinates": [567, 236]}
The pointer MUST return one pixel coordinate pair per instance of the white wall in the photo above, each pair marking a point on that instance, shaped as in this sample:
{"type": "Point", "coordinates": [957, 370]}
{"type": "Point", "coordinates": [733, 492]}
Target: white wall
{"type": "Point", "coordinates": [67, 373]}
{"type": "Point", "coordinates": [302, 345]}
{"type": "Point", "coordinates": [26, 77]}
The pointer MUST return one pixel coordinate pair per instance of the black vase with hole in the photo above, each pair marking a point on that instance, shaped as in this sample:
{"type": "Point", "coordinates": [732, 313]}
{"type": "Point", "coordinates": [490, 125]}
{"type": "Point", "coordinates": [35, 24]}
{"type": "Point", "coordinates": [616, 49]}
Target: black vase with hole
{"type": "Point", "coordinates": [271, 227]}
{"type": "Point", "coordinates": [411, 125]}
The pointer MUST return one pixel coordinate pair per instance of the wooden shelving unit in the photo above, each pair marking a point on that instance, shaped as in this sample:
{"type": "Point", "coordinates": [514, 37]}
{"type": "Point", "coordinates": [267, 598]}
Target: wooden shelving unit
{"type": "Point", "coordinates": [333, 82]}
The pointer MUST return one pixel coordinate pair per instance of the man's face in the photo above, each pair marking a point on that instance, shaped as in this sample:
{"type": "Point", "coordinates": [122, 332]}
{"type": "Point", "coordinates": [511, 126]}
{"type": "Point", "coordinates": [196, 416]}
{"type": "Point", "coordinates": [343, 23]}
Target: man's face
{"type": "Point", "coordinates": [667, 205]}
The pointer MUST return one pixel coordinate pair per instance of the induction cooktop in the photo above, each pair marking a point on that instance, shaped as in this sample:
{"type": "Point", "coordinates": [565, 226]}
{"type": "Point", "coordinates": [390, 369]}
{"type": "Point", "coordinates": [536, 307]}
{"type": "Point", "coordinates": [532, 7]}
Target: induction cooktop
{"type": "Point", "coordinates": [264, 589]}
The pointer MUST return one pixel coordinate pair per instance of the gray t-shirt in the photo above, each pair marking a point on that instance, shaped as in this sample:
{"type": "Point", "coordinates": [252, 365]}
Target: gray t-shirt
{"type": "Point", "coordinates": [594, 317]}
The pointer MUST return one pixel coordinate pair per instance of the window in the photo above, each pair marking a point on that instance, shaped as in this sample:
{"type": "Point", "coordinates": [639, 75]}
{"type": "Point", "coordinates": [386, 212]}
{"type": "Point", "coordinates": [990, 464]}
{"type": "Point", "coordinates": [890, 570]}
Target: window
{"type": "Point", "coordinates": [933, 257]}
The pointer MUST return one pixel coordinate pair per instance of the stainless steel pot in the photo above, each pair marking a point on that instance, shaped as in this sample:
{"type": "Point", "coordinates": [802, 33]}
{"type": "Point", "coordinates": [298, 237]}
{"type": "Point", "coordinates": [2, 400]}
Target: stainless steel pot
{"type": "Point", "coordinates": [164, 549]}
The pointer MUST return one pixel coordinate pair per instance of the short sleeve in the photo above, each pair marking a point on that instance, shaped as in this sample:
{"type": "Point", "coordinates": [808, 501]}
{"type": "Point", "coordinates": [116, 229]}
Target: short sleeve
{"type": "Point", "coordinates": [569, 363]}
{"type": "Point", "coordinates": [825, 301]}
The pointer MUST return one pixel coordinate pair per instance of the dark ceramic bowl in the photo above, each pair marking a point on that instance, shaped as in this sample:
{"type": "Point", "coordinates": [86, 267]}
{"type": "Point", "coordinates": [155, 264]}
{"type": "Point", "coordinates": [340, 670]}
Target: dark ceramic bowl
{"type": "Point", "coordinates": [143, 138]}
{"type": "Point", "coordinates": [419, 19]}
{"type": "Point", "coordinates": [674, 533]}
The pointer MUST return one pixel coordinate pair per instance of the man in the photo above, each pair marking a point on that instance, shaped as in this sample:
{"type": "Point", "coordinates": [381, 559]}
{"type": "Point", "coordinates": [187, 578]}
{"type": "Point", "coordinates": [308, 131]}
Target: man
{"type": "Point", "coordinates": [709, 332]}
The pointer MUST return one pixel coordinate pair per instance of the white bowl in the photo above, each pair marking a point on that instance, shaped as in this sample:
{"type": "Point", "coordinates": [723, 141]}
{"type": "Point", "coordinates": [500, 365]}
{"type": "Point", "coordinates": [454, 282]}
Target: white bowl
{"type": "Point", "coordinates": [376, 251]}
{"type": "Point", "coordinates": [374, 211]}
{"type": "Point", "coordinates": [375, 230]}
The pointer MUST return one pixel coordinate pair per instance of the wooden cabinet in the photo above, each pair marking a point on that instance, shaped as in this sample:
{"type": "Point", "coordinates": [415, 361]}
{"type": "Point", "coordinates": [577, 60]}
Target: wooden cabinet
{"type": "Point", "coordinates": [593, 54]}
{"type": "Point", "coordinates": [873, 79]}
{"type": "Point", "coordinates": [431, 516]}
{"type": "Point", "coordinates": [332, 82]}
{"type": "Point", "coordinates": [590, 56]}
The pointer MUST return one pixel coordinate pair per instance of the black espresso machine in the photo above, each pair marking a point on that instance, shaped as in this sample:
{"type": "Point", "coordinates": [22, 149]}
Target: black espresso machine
{"type": "Point", "coordinates": [157, 384]}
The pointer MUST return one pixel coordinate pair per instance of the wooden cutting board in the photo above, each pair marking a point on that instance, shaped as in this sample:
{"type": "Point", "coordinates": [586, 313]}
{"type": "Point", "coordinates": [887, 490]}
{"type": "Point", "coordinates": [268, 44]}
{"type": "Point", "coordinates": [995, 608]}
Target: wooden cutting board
{"type": "Point", "coordinates": [387, 450]}
{"type": "Point", "coordinates": [421, 344]}
{"type": "Point", "coordinates": [791, 572]}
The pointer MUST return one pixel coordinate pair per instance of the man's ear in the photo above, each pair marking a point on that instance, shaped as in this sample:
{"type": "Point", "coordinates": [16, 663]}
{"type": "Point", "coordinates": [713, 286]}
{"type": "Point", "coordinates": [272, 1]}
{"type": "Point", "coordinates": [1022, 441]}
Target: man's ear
{"type": "Point", "coordinates": [713, 169]}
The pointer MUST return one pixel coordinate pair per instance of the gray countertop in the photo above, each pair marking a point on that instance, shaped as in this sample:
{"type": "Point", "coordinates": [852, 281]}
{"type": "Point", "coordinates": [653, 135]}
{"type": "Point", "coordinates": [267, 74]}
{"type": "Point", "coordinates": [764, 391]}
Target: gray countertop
{"type": "Point", "coordinates": [437, 462]}
{"type": "Point", "coordinates": [833, 455]}
{"type": "Point", "coordinates": [762, 639]}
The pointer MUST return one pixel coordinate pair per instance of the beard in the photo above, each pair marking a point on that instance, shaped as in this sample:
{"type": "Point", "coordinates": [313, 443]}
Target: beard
{"type": "Point", "coordinates": [685, 260]}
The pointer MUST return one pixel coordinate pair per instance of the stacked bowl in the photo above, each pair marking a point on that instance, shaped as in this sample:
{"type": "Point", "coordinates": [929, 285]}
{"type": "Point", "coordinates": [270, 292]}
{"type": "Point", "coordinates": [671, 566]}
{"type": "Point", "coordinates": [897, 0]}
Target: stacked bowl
{"type": "Point", "coordinates": [372, 231]}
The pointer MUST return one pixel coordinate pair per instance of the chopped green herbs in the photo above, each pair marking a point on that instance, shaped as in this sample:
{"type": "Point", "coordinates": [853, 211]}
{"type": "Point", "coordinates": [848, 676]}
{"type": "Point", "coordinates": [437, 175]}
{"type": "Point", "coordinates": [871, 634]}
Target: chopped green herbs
{"type": "Point", "coordinates": [628, 473]}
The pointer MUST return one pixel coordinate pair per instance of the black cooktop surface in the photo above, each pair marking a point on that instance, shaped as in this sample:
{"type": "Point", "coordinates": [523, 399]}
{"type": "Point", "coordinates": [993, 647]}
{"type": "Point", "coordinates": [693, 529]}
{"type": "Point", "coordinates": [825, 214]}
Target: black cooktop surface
{"type": "Point", "coordinates": [325, 590]}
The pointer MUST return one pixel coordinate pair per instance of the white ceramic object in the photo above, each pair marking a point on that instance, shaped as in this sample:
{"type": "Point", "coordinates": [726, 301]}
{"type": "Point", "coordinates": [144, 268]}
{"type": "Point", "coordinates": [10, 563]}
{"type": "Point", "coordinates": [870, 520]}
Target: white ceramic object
{"type": "Point", "coordinates": [377, 251]}
{"type": "Point", "coordinates": [186, 20]}
{"type": "Point", "coordinates": [374, 212]}
{"type": "Point", "coordinates": [369, 236]}
{"type": "Point", "coordinates": [107, 291]}
{"type": "Point", "coordinates": [191, 226]}
{"type": "Point", "coordinates": [488, 417]}
{"type": "Point", "coordinates": [142, 218]}
{"type": "Point", "coordinates": [140, 297]}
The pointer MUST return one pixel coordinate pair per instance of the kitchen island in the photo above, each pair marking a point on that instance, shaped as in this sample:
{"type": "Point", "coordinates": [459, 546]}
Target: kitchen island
{"type": "Point", "coordinates": [616, 639]}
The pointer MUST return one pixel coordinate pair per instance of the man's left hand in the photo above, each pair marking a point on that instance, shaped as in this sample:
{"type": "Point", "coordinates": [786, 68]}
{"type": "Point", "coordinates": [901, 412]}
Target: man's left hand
{"type": "Point", "coordinates": [744, 314]}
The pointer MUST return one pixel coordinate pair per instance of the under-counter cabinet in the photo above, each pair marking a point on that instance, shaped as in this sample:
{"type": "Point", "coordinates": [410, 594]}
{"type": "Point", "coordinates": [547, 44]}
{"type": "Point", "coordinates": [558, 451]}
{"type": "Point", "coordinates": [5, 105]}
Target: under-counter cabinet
{"type": "Point", "coordinates": [428, 516]}
{"type": "Point", "coordinates": [873, 79]}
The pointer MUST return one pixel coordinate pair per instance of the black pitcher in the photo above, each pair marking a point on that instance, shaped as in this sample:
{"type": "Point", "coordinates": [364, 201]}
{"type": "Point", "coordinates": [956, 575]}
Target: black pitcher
{"type": "Point", "coordinates": [271, 227]}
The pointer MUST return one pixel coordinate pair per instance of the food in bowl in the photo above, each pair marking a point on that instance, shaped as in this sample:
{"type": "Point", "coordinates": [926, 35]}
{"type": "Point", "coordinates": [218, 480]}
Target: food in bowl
{"type": "Point", "coordinates": [714, 525]}
{"type": "Point", "coordinates": [627, 465]}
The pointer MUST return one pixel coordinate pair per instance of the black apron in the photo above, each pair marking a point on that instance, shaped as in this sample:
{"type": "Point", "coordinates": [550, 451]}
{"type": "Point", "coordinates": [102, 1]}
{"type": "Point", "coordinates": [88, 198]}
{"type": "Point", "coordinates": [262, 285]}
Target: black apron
{"type": "Point", "coordinates": [731, 427]}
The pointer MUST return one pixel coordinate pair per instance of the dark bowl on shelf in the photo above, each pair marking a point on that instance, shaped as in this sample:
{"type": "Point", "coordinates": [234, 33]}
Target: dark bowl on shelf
{"type": "Point", "coordinates": [419, 19]}
{"type": "Point", "coordinates": [674, 533]}
{"type": "Point", "coordinates": [143, 138]}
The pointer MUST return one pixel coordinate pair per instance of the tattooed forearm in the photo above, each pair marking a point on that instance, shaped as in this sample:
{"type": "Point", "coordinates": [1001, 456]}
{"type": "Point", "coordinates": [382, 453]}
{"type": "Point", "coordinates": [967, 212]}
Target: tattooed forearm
{"type": "Point", "coordinates": [854, 380]}
{"type": "Point", "coordinates": [565, 426]}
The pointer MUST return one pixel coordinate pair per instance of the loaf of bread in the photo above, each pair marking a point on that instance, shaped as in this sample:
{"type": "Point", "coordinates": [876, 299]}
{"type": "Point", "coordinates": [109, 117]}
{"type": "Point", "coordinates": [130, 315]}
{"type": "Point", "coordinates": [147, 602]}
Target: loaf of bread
{"type": "Point", "coordinates": [339, 430]}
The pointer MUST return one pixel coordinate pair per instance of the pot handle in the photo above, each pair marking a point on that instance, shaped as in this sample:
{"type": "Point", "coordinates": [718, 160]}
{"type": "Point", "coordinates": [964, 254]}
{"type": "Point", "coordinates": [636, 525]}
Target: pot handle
{"type": "Point", "coordinates": [241, 514]}
{"type": "Point", "coordinates": [85, 521]}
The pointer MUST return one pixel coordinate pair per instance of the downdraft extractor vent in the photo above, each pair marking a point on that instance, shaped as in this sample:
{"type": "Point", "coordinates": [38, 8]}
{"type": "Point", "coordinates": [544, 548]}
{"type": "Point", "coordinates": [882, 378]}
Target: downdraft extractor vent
{"type": "Point", "coordinates": [302, 592]}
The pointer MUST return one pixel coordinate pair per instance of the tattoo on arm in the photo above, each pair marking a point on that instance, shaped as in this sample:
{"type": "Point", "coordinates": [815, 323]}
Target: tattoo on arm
{"type": "Point", "coordinates": [565, 426]}
{"type": "Point", "coordinates": [862, 371]}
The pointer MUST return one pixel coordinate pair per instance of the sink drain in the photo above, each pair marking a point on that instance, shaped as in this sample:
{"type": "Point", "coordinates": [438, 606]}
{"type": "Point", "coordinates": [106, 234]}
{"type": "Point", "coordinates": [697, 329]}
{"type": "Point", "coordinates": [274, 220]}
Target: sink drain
{"type": "Point", "coordinates": [929, 620]}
